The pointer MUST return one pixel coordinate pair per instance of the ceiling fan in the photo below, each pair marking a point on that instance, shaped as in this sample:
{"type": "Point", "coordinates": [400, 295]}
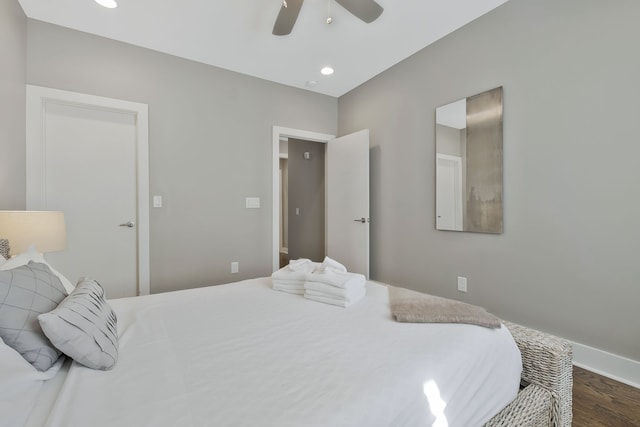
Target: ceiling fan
{"type": "Point", "coordinates": [366, 10]}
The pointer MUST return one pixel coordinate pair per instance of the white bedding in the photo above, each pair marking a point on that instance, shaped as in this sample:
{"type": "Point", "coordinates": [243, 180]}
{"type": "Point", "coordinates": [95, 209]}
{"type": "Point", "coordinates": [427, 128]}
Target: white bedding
{"type": "Point", "coordinates": [244, 355]}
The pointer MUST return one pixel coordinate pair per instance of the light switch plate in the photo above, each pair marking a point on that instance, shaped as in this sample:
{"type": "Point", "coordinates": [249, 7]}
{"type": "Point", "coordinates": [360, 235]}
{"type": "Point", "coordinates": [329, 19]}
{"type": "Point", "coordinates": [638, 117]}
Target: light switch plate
{"type": "Point", "coordinates": [252, 202]}
{"type": "Point", "coordinates": [462, 284]}
{"type": "Point", "coordinates": [157, 201]}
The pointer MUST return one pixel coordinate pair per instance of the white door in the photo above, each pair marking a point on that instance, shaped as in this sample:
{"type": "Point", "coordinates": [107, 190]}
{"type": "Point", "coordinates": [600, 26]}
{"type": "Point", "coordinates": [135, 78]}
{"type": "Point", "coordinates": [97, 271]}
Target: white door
{"type": "Point", "coordinates": [347, 187]}
{"type": "Point", "coordinates": [89, 170]}
{"type": "Point", "coordinates": [448, 192]}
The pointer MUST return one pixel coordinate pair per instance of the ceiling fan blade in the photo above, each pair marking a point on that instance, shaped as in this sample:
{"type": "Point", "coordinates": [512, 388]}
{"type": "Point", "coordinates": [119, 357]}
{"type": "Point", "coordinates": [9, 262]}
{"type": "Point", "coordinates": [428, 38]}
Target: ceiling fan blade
{"type": "Point", "coordinates": [367, 10]}
{"type": "Point", "coordinates": [287, 17]}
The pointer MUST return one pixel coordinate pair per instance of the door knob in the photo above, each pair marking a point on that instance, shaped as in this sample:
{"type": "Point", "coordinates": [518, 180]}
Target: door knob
{"type": "Point", "coordinates": [362, 220]}
{"type": "Point", "coordinates": [129, 224]}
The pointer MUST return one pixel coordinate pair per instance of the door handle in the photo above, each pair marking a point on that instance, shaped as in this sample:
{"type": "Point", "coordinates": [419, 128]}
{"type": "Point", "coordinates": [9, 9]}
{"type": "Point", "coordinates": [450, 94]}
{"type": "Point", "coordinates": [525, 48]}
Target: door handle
{"type": "Point", "coordinates": [362, 220]}
{"type": "Point", "coordinates": [129, 224]}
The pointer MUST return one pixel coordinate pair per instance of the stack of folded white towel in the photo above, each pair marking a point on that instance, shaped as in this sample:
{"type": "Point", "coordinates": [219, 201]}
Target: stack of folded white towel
{"type": "Point", "coordinates": [331, 283]}
{"type": "Point", "coordinates": [291, 278]}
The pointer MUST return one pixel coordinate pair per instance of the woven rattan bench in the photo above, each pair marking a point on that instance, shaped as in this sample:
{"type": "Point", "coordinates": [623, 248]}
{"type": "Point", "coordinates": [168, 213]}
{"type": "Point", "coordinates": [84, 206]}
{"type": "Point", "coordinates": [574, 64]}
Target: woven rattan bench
{"type": "Point", "coordinates": [547, 372]}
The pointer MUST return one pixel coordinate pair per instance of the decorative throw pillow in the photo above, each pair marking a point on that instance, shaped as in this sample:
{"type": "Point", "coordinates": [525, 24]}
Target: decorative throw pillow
{"type": "Point", "coordinates": [26, 292]}
{"type": "Point", "coordinates": [32, 255]}
{"type": "Point", "coordinates": [84, 327]}
{"type": "Point", "coordinates": [4, 249]}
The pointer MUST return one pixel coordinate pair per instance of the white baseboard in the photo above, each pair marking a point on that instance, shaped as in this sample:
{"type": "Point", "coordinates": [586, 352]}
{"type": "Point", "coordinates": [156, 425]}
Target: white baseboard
{"type": "Point", "coordinates": [610, 365]}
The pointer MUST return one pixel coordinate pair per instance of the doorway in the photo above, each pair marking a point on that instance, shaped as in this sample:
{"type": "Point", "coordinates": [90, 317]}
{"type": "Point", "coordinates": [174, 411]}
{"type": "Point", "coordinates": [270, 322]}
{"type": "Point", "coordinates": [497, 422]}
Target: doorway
{"type": "Point", "coordinates": [88, 157]}
{"type": "Point", "coordinates": [302, 200]}
{"type": "Point", "coordinates": [346, 196]}
{"type": "Point", "coordinates": [281, 134]}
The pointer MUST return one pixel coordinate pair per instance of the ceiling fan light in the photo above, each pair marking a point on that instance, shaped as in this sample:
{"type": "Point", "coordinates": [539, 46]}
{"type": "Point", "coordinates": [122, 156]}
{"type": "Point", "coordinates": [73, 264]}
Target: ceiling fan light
{"type": "Point", "coordinates": [109, 4]}
{"type": "Point", "coordinates": [327, 71]}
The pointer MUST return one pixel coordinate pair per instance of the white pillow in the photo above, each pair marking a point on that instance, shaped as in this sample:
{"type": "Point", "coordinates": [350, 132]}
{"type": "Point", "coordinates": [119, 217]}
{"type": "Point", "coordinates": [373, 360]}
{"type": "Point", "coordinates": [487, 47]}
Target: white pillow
{"type": "Point", "coordinates": [20, 385]}
{"type": "Point", "coordinates": [2, 260]}
{"type": "Point", "coordinates": [32, 255]}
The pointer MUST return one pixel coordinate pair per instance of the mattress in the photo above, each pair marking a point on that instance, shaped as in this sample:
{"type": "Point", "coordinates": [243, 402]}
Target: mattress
{"type": "Point", "coordinates": [243, 354]}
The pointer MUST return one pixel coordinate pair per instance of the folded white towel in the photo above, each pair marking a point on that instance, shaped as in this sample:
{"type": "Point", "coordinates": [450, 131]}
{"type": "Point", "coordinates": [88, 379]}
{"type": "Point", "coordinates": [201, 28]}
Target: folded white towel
{"type": "Point", "coordinates": [352, 289]}
{"type": "Point", "coordinates": [298, 264]}
{"type": "Point", "coordinates": [289, 291]}
{"type": "Point", "coordinates": [287, 281]}
{"type": "Point", "coordinates": [291, 286]}
{"type": "Point", "coordinates": [351, 298]}
{"type": "Point", "coordinates": [336, 278]}
{"type": "Point", "coordinates": [332, 264]}
{"type": "Point", "coordinates": [302, 270]}
{"type": "Point", "coordinates": [332, 301]}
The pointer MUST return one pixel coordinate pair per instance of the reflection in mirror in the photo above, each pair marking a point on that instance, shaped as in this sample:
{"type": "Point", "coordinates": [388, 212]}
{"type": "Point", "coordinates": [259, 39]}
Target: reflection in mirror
{"type": "Point", "coordinates": [469, 164]}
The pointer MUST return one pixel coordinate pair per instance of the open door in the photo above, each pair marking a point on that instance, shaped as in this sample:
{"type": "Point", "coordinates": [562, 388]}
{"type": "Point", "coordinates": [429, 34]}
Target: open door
{"type": "Point", "coordinates": [347, 187]}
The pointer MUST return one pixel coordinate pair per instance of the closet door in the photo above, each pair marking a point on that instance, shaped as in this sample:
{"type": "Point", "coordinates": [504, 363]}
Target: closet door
{"type": "Point", "coordinates": [84, 162]}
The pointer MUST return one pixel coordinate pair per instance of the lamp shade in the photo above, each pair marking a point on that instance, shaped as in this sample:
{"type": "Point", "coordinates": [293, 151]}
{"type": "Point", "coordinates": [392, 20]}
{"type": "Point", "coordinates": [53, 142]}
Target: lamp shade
{"type": "Point", "coordinates": [44, 230]}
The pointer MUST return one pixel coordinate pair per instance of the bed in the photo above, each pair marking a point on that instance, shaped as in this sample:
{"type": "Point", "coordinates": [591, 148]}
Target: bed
{"type": "Point", "coordinates": [243, 354]}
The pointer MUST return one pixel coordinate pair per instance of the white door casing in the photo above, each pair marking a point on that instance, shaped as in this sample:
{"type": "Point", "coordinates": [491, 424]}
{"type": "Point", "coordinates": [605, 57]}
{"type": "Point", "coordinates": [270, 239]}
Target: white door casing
{"type": "Point", "coordinates": [347, 187]}
{"type": "Point", "coordinates": [449, 203]}
{"type": "Point", "coordinates": [88, 156]}
{"type": "Point", "coordinates": [352, 154]}
{"type": "Point", "coordinates": [279, 132]}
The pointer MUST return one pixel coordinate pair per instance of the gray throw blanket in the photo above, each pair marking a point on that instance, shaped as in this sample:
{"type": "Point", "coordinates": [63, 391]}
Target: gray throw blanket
{"type": "Point", "coordinates": [415, 307]}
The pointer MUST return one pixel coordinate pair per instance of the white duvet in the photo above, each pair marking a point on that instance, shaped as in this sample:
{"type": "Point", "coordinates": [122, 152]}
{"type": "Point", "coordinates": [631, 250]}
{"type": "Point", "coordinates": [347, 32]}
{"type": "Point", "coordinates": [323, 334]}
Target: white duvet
{"type": "Point", "coordinates": [243, 354]}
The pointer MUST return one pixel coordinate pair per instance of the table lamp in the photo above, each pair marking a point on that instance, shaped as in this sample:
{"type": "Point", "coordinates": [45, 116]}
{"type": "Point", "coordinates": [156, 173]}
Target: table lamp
{"type": "Point", "coordinates": [44, 230]}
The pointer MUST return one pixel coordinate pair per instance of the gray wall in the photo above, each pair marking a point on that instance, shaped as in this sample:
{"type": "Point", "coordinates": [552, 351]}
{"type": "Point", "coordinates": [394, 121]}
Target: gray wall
{"type": "Point", "coordinates": [567, 262]}
{"type": "Point", "coordinates": [13, 42]}
{"type": "Point", "coordinates": [306, 192]}
{"type": "Point", "coordinates": [210, 146]}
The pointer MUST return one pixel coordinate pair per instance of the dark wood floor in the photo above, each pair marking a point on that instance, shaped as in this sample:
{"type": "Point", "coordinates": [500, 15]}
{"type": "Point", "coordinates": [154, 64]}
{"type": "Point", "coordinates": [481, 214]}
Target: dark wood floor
{"type": "Point", "coordinates": [600, 401]}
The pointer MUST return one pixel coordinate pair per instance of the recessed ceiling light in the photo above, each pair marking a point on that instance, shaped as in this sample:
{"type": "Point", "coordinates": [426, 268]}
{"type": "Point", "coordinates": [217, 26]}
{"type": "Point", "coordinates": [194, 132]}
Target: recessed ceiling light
{"type": "Point", "coordinates": [327, 71]}
{"type": "Point", "coordinates": [111, 4]}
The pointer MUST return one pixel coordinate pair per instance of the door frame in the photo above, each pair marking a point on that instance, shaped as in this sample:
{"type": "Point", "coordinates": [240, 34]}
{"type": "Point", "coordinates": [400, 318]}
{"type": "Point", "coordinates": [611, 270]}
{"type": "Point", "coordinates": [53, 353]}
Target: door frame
{"type": "Point", "coordinates": [278, 133]}
{"type": "Point", "coordinates": [37, 99]}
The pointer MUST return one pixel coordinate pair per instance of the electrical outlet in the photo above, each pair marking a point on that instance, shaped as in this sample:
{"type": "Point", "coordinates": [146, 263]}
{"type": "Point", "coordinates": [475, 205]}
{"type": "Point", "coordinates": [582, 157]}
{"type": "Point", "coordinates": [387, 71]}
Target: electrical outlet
{"type": "Point", "coordinates": [462, 284]}
{"type": "Point", "coordinates": [235, 267]}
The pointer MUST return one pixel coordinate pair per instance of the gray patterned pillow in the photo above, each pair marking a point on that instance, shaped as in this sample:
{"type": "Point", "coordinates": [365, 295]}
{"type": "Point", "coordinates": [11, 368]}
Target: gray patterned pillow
{"type": "Point", "coordinates": [26, 292]}
{"type": "Point", "coordinates": [84, 327]}
{"type": "Point", "coordinates": [4, 248]}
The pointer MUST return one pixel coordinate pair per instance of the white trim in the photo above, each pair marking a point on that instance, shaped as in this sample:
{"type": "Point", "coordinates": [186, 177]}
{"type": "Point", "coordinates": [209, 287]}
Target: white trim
{"type": "Point", "coordinates": [278, 133]}
{"type": "Point", "coordinates": [37, 98]}
{"type": "Point", "coordinates": [610, 365]}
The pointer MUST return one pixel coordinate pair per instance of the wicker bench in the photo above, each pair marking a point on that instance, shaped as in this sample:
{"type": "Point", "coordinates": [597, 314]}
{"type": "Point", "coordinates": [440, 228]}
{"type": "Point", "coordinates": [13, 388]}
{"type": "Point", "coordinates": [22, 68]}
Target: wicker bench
{"type": "Point", "coordinates": [547, 371]}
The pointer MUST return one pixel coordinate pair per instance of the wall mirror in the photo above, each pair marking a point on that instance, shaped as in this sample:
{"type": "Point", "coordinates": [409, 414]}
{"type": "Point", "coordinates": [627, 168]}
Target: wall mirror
{"type": "Point", "coordinates": [469, 164]}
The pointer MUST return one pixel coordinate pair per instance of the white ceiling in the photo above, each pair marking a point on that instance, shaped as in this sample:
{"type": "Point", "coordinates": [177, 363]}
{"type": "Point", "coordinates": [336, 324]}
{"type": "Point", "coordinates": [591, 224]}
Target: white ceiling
{"type": "Point", "coordinates": [236, 34]}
